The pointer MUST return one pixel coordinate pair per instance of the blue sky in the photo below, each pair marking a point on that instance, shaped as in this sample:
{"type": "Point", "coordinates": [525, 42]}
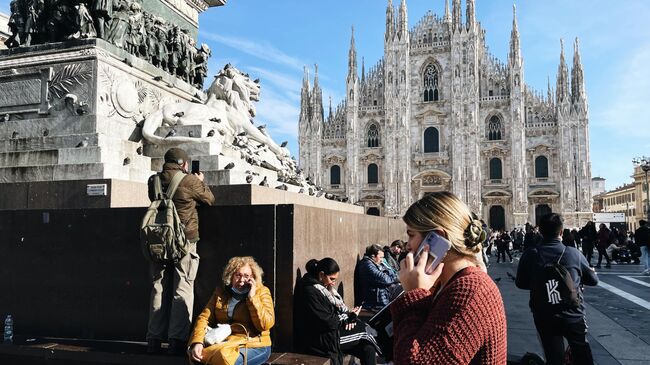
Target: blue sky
{"type": "Point", "coordinates": [274, 39]}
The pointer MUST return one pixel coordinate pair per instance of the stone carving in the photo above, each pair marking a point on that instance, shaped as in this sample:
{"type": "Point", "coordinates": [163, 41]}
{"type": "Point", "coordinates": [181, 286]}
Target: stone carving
{"type": "Point", "coordinates": [20, 92]}
{"type": "Point", "coordinates": [26, 91]}
{"type": "Point", "coordinates": [122, 23]}
{"type": "Point", "coordinates": [431, 180]}
{"type": "Point", "coordinates": [67, 77]}
{"type": "Point", "coordinates": [228, 110]}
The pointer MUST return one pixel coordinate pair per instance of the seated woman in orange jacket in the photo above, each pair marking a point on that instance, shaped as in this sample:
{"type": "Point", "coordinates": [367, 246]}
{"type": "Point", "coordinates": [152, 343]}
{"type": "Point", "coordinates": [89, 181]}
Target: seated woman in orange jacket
{"type": "Point", "coordinates": [244, 303]}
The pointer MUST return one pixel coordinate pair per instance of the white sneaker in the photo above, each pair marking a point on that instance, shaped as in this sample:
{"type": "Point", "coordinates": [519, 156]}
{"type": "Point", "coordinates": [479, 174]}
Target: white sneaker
{"type": "Point", "coordinates": [646, 272]}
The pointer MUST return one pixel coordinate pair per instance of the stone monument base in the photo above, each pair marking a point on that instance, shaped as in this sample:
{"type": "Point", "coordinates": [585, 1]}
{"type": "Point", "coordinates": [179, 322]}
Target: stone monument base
{"type": "Point", "coordinates": [86, 265]}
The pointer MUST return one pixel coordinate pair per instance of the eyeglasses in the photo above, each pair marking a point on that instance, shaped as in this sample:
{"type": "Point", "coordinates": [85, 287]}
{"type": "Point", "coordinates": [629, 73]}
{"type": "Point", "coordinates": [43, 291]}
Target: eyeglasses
{"type": "Point", "coordinates": [244, 276]}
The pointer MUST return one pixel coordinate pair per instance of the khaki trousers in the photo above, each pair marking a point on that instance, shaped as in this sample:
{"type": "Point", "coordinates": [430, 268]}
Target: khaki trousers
{"type": "Point", "coordinates": [172, 297]}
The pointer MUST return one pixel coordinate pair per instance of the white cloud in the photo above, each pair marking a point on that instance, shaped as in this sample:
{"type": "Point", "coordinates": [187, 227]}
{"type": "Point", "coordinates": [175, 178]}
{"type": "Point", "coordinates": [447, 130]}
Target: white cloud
{"type": "Point", "coordinates": [264, 51]}
{"type": "Point", "coordinates": [280, 80]}
{"type": "Point", "coordinates": [279, 114]}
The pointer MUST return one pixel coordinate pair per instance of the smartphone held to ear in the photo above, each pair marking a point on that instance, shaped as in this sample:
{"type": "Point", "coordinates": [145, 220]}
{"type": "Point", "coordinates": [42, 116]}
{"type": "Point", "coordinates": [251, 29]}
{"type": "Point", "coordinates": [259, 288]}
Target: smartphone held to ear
{"type": "Point", "coordinates": [438, 248]}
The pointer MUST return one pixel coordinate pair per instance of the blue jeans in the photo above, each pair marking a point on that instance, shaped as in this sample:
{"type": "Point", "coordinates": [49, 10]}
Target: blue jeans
{"type": "Point", "coordinates": [645, 257]}
{"type": "Point", "coordinates": [256, 356]}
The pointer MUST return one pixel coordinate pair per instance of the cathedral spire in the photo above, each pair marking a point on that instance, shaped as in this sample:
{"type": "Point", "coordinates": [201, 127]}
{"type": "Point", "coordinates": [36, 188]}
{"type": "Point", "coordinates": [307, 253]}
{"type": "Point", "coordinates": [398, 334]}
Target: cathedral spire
{"type": "Point", "coordinates": [305, 102]}
{"type": "Point", "coordinates": [447, 18]}
{"type": "Point", "coordinates": [316, 85]}
{"type": "Point", "coordinates": [390, 21]}
{"type": "Point", "coordinates": [562, 88]}
{"type": "Point", "coordinates": [403, 21]}
{"type": "Point", "coordinates": [549, 91]}
{"type": "Point", "coordinates": [305, 79]}
{"type": "Point", "coordinates": [352, 59]}
{"type": "Point", "coordinates": [329, 118]}
{"type": "Point", "coordinates": [363, 69]}
{"type": "Point", "coordinates": [471, 14]}
{"type": "Point", "coordinates": [577, 75]}
{"type": "Point", "coordinates": [457, 16]}
{"type": "Point", "coordinates": [515, 47]}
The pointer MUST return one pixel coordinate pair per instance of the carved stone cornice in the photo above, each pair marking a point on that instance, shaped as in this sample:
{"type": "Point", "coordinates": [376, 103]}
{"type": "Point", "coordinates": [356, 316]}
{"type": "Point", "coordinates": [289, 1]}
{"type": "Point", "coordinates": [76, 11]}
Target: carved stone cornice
{"type": "Point", "coordinates": [434, 158]}
{"type": "Point", "coordinates": [333, 159]}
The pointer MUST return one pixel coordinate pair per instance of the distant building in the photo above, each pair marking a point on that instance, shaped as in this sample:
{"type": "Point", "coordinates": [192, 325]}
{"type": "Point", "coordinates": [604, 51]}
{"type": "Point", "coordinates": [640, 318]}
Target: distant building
{"type": "Point", "coordinates": [621, 200]}
{"type": "Point", "coordinates": [439, 112]}
{"type": "Point", "coordinates": [597, 186]}
{"type": "Point", "coordinates": [641, 193]}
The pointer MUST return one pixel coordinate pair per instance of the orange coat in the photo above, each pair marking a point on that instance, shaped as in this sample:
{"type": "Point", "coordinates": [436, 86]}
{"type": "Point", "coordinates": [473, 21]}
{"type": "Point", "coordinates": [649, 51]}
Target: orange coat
{"type": "Point", "coordinates": [256, 314]}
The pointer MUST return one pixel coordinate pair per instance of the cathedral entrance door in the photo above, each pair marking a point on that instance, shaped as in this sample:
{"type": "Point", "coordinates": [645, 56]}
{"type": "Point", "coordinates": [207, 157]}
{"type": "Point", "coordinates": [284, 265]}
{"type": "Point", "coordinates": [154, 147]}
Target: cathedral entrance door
{"type": "Point", "coordinates": [497, 217]}
{"type": "Point", "coordinates": [373, 211]}
{"type": "Point", "coordinates": [540, 211]}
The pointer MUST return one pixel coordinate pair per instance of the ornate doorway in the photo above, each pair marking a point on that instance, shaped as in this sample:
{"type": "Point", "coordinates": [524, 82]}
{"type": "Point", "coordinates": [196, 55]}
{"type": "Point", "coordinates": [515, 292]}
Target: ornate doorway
{"type": "Point", "coordinates": [540, 211]}
{"type": "Point", "coordinates": [373, 211]}
{"type": "Point", "coordinates": [497, 217]}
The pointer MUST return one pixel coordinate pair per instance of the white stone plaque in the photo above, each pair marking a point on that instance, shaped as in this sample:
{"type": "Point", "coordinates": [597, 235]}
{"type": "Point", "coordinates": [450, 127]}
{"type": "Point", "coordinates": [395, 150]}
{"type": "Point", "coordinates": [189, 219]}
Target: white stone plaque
{"type": "Point", "coordinates": [96, 189]}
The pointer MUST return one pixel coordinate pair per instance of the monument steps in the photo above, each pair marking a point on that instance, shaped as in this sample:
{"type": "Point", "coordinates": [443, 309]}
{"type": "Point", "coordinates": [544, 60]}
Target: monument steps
{"type": "Point", "coordinates": [70, 124]}
{"type": "Point", "coordinates": [73, 172]}
{"type": "Point", "coordinates": [192, 149]}
{"type": "Point", "coordinates": [70, 156]}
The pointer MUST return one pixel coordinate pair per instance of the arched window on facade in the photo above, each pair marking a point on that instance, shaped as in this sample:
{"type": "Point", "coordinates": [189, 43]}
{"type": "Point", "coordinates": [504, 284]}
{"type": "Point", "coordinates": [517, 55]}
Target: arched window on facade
{"type": "Point", "coordinates": [373, 136]}
{"type": "Point", "coordinates": [431, 77]}
{"type": "Point", "coordinates": [494, 129]}
{"type": "Point", "coordinates": [495, 169]}
{"type": "Point", "coordinates": [373, 174]}
{"type": "Point", "coordinates": [541, 166]}
{"type": "Point", "coordinates": [373, 211]}
{"type": "Point", "coordinates": [335, 175]}
{"type": "Point", "coordinates": [431, 140]}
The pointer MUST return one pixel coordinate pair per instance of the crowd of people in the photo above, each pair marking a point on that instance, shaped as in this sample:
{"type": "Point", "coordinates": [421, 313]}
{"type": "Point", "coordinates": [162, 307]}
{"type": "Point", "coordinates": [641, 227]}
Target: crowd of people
{"type": "Point", "coordinates": [613, 244]}
{"type": "Point", "coordinates": [448, 313]}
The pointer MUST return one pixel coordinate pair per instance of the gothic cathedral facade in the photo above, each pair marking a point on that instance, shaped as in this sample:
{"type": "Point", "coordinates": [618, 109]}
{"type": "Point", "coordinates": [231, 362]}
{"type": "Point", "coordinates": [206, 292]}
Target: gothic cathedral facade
{"type": "Point", "coordinates": [439, 112]}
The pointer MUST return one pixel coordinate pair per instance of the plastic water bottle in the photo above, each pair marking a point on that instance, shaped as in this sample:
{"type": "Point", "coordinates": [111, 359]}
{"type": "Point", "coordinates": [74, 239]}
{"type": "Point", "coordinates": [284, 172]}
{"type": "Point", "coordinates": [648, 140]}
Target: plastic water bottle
{"type": "Point", "coordinates": [9, 329]}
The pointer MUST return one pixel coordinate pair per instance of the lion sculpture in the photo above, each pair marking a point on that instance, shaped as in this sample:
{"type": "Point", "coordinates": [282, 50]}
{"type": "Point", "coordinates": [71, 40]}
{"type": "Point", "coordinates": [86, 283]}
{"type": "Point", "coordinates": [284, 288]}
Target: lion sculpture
{"type": "Point", "coordinates": [228, 113]}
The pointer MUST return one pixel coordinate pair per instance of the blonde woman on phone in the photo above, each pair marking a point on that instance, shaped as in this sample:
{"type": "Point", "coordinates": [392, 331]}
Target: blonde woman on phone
{"type": "Point", "coordinates": [244, 303]}
{"type": "Point", "coordinates": [455, 315]}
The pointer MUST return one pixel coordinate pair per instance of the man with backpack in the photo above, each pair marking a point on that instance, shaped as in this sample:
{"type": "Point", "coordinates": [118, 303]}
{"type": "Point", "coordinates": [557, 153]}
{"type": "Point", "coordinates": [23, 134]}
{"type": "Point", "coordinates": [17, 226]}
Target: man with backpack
{"type": "Point", "coordinates": [554, 274]}
{"type": "Point", "coordinates": [171, 248]}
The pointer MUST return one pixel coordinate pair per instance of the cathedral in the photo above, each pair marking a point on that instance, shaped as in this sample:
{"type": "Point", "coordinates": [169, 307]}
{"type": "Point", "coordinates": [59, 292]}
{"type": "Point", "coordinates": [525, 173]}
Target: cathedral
{"type": "Point", "coordinates": [439, 113]}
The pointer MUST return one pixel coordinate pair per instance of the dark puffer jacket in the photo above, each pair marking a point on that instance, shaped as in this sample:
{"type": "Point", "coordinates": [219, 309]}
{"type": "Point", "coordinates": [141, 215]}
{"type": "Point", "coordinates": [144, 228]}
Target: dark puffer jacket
{"type": "Point", "coordinates": [190, 191]}
{"type": "Point", "coordinates": [315, 322]}
{"type": "Point", "coordinates": [373, 283]}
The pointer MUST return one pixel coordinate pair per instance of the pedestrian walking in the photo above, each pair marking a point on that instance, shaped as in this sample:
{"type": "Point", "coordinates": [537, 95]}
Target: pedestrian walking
{"type": "Point", "coordinates": [554, 274]}
{"type": "Point", "coordinates": [642, 239]}
{"type": "Point", "coordinates": [603, 241]}
{"type": "Point", "coordinates": [503, 247]}
{"type": "Point", "coordinates": [589, 235]}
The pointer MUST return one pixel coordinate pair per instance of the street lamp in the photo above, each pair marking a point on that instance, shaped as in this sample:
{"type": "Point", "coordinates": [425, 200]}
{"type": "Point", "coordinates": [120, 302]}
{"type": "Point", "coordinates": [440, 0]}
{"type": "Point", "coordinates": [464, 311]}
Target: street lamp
{"type": "Point", "coordinates": [644, 164]}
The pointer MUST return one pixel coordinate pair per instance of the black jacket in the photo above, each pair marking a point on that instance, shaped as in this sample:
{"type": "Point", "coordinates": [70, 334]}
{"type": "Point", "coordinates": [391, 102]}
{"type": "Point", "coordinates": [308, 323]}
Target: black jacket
{"type": "Point", "coordinates": [642, 236]}
{"type": "Point", "coordinates": [531, 265]}
{"type": "Point", "coordinates": [315, 322]}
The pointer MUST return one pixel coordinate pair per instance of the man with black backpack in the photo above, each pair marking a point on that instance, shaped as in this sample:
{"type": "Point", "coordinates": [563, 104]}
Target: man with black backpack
{"type": "Point", "coordinates": [554, 274]}
{"type": "Point", "coordinates": [169, 234]}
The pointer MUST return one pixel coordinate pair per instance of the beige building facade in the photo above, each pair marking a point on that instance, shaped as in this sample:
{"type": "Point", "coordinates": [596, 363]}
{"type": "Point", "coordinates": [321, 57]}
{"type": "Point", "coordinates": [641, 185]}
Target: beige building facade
{"type": "Point", "coordinates": [439, 112]}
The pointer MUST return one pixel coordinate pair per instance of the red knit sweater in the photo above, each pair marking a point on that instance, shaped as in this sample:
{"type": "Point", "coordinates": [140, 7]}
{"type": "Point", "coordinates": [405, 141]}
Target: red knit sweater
{"type": "Point", "coordinates": [465, 324]}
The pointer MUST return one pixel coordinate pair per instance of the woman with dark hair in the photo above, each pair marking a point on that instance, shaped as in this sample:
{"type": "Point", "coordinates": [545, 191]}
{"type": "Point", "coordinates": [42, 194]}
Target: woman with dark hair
{"type": "Point", "coordinates": [568, 239]}
{"type": "Point", "coordinates": [322, 323]}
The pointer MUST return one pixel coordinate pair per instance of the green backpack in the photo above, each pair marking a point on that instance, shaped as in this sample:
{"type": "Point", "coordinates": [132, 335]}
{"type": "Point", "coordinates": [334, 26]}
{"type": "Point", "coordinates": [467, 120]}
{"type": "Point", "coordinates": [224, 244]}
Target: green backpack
{"type": "Point", "coordinates": [162, 234]}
